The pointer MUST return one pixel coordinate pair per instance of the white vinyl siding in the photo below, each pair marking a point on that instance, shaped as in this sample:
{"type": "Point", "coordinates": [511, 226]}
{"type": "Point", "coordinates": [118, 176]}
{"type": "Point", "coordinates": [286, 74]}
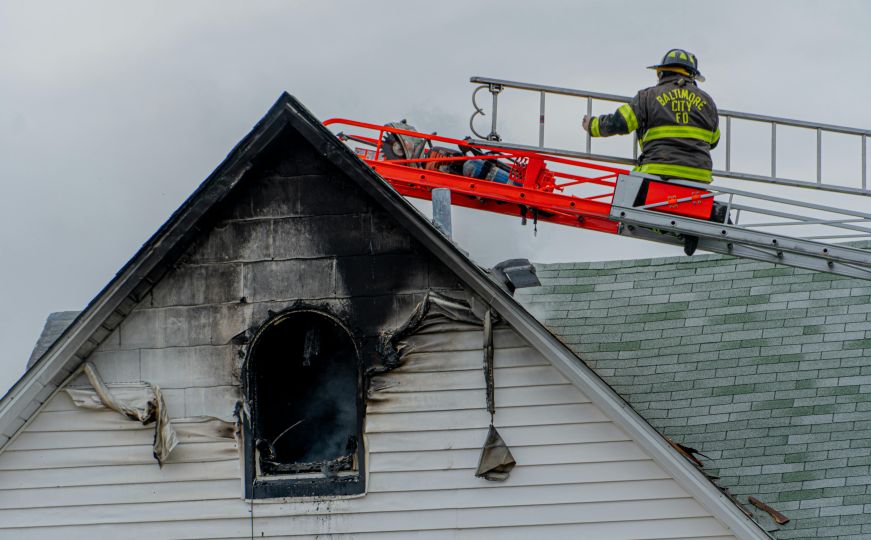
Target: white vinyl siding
{"type": "Point", "coordinates": [76, 473]}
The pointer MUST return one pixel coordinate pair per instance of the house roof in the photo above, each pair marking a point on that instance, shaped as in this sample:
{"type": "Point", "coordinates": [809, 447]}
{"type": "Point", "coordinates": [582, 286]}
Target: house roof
{"type": "Point", "coordinates": [55, 325]}
{"type": "Point", "coordinates": [133, 281]}
{"type": "Point", "coordinates": [764, 369]}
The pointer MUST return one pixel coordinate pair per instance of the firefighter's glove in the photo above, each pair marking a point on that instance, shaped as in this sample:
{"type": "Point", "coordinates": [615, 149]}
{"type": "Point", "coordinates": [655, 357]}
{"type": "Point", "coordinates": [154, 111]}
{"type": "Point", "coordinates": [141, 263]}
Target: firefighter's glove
{"type": "Point", "coordinates": [586, 122]}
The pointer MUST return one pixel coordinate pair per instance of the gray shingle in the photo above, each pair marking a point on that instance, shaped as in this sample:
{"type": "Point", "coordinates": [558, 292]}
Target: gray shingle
{"type": "Point", "coordinates": [55, 325]}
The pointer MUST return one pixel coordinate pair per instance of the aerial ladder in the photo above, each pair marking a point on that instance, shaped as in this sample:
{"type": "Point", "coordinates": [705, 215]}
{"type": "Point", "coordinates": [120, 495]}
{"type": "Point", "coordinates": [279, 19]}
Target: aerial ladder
{"type": "Point", "coordinates": [598, 192]}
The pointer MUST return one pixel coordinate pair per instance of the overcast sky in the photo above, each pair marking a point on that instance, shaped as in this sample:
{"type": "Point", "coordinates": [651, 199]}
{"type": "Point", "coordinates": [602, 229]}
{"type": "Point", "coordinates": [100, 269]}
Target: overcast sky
{"type": "Point", "coordinates": [111, 113]}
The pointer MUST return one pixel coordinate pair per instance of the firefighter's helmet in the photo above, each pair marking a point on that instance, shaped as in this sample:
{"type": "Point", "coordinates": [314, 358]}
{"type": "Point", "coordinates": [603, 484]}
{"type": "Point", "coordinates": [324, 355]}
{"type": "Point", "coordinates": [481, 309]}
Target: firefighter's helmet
{"type": "Point", "coordinates": [680, 58]}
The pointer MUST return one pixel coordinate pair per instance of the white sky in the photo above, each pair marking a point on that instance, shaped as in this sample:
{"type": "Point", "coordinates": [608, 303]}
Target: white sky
{"type": "Point", "coordinates": [111, 113]}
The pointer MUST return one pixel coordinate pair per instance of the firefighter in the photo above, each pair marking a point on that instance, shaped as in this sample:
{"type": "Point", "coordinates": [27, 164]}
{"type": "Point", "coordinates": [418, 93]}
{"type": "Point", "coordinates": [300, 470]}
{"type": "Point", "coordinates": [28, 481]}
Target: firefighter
{"type": "Point", "coordinates": [675, 121]}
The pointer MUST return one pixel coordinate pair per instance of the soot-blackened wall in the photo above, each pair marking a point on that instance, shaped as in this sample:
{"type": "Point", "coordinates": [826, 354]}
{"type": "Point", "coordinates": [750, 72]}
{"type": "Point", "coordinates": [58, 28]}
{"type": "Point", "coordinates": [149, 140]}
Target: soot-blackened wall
{"type": "Point", "coordinates": [296, 233]}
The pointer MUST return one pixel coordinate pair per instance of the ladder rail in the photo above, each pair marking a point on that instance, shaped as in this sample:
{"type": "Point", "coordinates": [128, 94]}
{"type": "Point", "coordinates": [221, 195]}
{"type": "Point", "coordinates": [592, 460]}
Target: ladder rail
{"type": "Point", "coordinates": [773, 198]}
{"type": "Point", "coordinates": [785, 248]}
{"type": "Point", "coordinates": [496, 86]}
{"type": "Point", "coordinates": [639, 229]}
{"type": "Point", "coordinates": [757, 246]}
{"type": "Point", "coordinates": [802, 220]}
{"type": "Point", "coordinates": [841, 218]}
{"type": "Point", "coordinates": [847, 190]}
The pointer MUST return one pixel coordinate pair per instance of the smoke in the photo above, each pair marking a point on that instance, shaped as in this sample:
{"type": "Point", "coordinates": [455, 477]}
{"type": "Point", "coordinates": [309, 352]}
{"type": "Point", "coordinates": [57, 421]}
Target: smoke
{"type": "Point", "coordinates": [306, 373]}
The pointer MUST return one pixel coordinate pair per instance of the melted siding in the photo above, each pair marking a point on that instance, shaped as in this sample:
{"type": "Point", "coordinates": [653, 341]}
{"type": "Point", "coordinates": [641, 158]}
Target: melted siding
{"type": "Point", "coordinates": [86, 474]}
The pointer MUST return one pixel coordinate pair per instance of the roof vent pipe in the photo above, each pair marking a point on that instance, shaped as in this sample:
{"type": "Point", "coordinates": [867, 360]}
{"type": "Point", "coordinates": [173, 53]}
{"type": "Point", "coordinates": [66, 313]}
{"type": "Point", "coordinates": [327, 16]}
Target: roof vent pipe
{"type": "Point", "coordinates": [441, 210]}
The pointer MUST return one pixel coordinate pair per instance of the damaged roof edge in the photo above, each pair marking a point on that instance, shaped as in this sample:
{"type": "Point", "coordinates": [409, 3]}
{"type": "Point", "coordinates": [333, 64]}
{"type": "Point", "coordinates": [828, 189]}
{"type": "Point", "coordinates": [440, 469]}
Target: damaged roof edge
{"type": "Point", "coordinates": [40, 381]}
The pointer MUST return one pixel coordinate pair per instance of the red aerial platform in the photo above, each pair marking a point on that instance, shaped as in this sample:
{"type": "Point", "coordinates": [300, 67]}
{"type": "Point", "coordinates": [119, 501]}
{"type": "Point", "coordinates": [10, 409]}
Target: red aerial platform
{"type": "Point", "coordinates": [534, 190]}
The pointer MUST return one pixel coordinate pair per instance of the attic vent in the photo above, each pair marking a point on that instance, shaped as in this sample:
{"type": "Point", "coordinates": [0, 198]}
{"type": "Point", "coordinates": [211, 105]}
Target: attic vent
{"type": "Point", "coordinates": [302, 384]}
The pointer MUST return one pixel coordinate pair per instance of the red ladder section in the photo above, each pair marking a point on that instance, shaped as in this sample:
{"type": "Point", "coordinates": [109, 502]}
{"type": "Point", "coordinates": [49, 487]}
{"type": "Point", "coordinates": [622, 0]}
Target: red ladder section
{"type": "Point", "coordinates": [537, 189]}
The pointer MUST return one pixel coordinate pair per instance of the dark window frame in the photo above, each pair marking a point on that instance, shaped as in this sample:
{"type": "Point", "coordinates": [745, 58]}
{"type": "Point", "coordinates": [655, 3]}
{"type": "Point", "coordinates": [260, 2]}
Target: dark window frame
{"type": "Point", "coordinates": [298, 485]}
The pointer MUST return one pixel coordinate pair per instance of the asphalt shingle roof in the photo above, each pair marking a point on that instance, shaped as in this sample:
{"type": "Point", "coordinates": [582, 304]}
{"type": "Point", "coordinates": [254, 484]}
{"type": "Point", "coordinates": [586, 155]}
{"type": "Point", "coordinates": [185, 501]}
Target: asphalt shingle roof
{"type": "Point", "coordinates": [765, 369]}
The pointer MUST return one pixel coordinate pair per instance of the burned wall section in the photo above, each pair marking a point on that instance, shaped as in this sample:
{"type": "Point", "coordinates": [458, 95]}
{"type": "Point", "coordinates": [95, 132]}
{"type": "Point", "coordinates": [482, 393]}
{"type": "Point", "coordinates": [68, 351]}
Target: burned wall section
{"type": "Point", "coordinates": [320, 239]}
{"type": "Point", "coordinates": [296, 231]}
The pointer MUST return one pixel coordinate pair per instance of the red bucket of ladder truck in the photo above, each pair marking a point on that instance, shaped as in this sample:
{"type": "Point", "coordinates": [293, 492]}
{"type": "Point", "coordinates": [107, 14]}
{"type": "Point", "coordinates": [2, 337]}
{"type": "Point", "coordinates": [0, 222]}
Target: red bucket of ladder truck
{"type": "Point", "coordinates": [522, 183]}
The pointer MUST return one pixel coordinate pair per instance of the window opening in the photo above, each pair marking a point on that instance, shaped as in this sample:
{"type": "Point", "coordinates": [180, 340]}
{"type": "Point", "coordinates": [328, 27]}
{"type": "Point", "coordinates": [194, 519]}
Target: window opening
{"type": "Point", "coordinates": [303, 387]}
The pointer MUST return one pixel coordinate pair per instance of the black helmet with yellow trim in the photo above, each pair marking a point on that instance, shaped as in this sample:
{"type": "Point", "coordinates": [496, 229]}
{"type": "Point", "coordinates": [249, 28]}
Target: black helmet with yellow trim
{"type": "Point", "coordinates": [680, 61]}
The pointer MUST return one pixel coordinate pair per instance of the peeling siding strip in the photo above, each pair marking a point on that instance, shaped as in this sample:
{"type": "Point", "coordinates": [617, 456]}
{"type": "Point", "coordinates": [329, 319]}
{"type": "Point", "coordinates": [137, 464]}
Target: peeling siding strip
{"type": "Point", "coordinates": [145, 405]}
